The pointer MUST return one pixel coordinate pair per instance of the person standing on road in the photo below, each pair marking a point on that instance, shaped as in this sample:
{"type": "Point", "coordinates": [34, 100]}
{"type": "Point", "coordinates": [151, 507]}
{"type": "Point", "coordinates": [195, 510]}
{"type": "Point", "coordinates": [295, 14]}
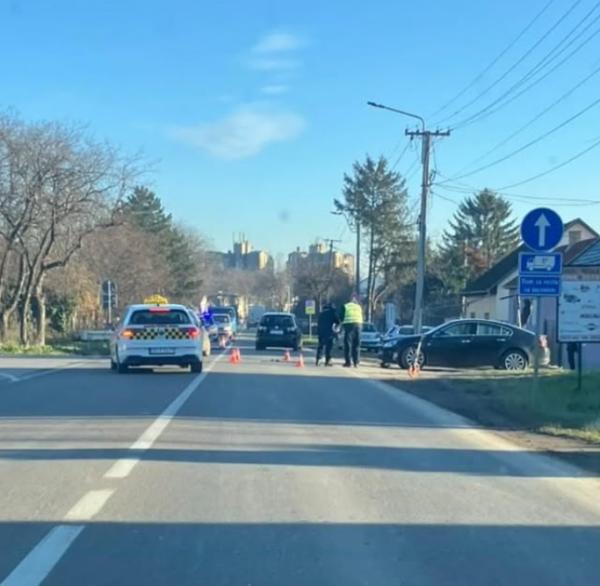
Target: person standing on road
{"type": "Point", "coordinates": [327, 320]}
{"type": "Point", "coordinates": [352, 319]}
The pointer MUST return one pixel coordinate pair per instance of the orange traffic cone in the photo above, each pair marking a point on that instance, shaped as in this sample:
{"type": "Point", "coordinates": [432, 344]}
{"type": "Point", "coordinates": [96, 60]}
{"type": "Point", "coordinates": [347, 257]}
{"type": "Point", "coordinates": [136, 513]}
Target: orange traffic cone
{"type": "Point", "coordinates": [286, 356]}
{"type": "Point", "coordinates": [238, 355]}
{"type": "Point", "coordinates": [300, 363]}
{"type": "Point", "coordinates": [232, 357]}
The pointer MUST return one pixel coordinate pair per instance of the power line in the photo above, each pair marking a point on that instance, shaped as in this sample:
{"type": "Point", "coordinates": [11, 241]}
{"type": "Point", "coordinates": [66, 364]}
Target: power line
{"type": "Point", "coordinates": [401, 155]}
{"type": "Point", "coordinates": [502, 101]}
{"type": "Point", "coordinates": [534, 119]}
{"type": "Point", "coordinates": [523, 57]}
{"type": "Point", "coordinates": [489, 112]}
{"type": "Point", "coordinates": [531, 142]}
{"type": "Point", "coordinates": [480, 76]}
{"type": "Point", "coordinates": [554, 168]}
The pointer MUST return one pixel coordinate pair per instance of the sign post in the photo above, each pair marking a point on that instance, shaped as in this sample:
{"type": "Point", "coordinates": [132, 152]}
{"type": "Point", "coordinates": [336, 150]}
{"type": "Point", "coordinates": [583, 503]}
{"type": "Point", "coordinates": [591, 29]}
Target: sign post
{"type": "Point", "coordinates": [539, 271]}
{"type": "Point", "coordinates": [310, 306]}
{"type": "Point", "coordinates": [109, 298]}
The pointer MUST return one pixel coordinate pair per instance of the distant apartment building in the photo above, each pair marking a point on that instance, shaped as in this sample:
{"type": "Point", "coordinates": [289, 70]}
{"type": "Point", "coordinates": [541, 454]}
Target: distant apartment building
{"type": "Point", "coordinates": [319, 254]}
{"type": "Point", "coordinates": [243, 257]}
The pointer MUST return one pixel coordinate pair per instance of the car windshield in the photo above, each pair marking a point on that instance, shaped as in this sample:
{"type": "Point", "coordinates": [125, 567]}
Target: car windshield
{"type": "Point", "coordinates": [156, 317]}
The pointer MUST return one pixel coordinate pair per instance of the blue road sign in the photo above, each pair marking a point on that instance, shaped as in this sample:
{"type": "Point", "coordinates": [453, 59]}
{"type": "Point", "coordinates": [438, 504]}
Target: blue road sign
{"type": "Point", "coordinates": [541, 229]}
{"type": "Point", "coordinates": [539, 263]}
{"type": "Point", "coordinates": [539, 286]}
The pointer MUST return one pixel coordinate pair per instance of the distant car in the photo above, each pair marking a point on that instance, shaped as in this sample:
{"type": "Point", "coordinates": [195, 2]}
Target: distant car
{"type": "Point", "coordinates": [468, 343]}
{"type": "Point", "coordinates": [224, 328]}
{"type": "Point", "coordinates": [157, 335]}
{"type": "Point", "coordinates": [229, 310]}
{"type": "Point", "coordinates": [370, 338]}
{"type": "Point", "coordinates": [278, 329]}
{"type": "Point", "coordinates": [198, 321]}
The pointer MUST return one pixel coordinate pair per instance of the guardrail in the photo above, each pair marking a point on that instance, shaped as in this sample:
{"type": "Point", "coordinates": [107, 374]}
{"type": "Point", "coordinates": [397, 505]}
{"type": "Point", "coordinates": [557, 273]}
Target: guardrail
{"type": "Point", "coordinates": [94, 335]}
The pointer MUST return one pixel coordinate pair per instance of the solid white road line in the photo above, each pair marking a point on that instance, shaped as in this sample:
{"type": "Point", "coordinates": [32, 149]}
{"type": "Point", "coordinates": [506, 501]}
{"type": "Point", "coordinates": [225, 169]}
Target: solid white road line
{"type": "Point", "coordinates": [89, 505]}
{"type": "Point", "coordinates": [36, 566]}
{"type": "Point", "coordinates": [123, 467]}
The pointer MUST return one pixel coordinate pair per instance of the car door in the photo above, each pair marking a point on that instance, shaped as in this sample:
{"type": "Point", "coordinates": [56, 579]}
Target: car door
{"type": "Point", "coordinates": [450, 345]}
{"type": "Point", "coordinates": [489, 341]}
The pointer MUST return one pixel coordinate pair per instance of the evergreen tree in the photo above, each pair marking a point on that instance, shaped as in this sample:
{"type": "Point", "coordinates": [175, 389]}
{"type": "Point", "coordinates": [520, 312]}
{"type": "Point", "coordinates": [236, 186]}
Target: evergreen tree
{"type": "Point", "coordinates": [481, 232]}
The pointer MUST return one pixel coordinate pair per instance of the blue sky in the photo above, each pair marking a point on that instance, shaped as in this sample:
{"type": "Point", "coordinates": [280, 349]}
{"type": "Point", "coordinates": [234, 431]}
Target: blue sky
{"type": "Point", "coordinates": [253, 110]}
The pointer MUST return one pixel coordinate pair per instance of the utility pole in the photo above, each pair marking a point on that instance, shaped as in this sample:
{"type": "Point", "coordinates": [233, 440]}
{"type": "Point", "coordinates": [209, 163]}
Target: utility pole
{"type": "Point", "coordinates": [357, 275]}
{"type": "Point", "coordinates": [331, 241]}
{"type": "Point", "coordinates": [426, 136]}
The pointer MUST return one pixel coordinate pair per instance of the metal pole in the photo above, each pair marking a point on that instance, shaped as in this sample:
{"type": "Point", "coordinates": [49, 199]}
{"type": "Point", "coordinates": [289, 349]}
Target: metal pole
{"type": "Point", "coordinates": [536, 356]}
{"type": "Point", "coordinates": [579, 367]}
{"type": "Point", "coordinates": [418, 317]}
{"type": "Point", "coordinates": [357, 257]}
{"type": "Point", "coordinates": [309, 325]}
{"type": "Point", "coordinates": [109, 287]}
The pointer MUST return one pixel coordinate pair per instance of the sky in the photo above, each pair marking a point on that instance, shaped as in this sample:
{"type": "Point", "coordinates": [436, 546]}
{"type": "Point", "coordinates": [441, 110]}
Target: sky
{"type": "Point", "coordinates": [250, 112]}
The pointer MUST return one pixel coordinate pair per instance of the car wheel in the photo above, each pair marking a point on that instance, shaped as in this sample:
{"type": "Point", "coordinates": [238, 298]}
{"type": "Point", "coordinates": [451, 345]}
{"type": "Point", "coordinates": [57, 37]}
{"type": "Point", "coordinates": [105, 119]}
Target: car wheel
{"type": "Point", "coordinates": [407, 357]}
{"type": "Point", "coordinates": [113, 364]}
{"type": "Point", "coordinates": [514, 360]}
{"type": "Point", "coordinates": [122, 368]}
{"type": "Point", "coordinates": [196, 367]}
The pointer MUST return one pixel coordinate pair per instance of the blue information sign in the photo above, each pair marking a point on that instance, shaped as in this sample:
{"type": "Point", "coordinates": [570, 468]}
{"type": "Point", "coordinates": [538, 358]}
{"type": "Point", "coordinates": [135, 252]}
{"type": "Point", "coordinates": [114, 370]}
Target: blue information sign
{"type": "Point", "coordinates": [539, 286]}
{"type": "Point", "coordinates": [539, 263]}
{"type": "Point", "coordinates": [541, 229]}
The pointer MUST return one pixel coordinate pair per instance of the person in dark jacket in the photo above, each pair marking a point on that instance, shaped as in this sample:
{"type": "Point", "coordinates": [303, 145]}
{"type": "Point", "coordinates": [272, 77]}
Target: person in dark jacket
{"type": "Point", "coordinates": [327, 321]}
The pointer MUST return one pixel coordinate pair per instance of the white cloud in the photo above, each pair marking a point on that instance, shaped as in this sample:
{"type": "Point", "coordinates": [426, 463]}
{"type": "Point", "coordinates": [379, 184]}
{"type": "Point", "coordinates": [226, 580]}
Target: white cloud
{"type": "Point", "coordinates": [275, 52]}
{"type": "Point", "coordinates": [277, 43]}
{"type": "Point", "coordinates": [274, 90]}
{"type": "Point", "coordinates": [243, 133]}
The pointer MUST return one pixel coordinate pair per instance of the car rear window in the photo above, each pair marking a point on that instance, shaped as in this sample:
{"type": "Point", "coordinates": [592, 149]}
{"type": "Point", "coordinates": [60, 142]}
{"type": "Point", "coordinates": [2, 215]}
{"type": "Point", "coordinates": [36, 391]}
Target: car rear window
{"type": "Point", "coordinates": [283, 321]}
{"type": "Point", "coordinates": [162, 317]}
{"type": "Point", "coordinates": [492, 330]}
{"type": "Point", "coordinates": [221, 318]}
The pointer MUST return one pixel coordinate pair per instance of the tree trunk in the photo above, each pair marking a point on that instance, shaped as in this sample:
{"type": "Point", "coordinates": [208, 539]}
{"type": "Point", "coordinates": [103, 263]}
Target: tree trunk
{"type": "Point", "coordinates": [24, 311]}
{"type": "Point", "coordinates": [40, 322]}
{"type": "Point", "coordinates": [3, 326]}
{"type": "Point", "coordinates": [370, 276]}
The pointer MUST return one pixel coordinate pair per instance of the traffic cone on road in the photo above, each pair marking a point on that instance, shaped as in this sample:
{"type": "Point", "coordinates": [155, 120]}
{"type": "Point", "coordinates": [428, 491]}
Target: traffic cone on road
{"type": "Point", "coordinates": [300, 363]}
{"type": "Point", "coordinates": [286, 356]}
{"type": "Point", "coordinates": [232, 357]}
{"type": "Point", "coordinates": [238, 355]}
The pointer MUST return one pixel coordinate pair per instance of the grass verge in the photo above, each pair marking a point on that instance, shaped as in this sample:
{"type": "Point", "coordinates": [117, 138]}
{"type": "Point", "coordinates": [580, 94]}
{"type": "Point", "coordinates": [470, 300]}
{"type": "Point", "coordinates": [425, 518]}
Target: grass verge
{"type": "Point", "coordinates": [81, 348]}
{"type": "Point", "coordinates": [556, 407]}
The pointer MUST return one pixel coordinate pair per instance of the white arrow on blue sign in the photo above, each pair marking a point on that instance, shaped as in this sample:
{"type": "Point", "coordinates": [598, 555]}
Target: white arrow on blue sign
{"type": "Point", "coordinates": [541, 229]}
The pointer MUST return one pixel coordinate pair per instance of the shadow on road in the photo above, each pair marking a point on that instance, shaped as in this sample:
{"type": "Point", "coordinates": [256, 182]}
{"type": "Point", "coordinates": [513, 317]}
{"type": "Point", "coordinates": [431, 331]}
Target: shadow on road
{"type": "Point", "coordinates": [272, 554]}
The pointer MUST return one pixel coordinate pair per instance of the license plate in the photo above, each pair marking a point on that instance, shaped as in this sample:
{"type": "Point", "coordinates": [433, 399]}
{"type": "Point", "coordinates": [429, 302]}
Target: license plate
{"type": "Point", "coordinates": [161, 351]}
{"type": "Point", "coordinates": [278, 332]}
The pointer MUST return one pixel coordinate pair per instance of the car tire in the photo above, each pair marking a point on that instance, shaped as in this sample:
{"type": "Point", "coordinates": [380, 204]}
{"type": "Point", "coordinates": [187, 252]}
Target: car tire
{"type": "Point", "coordinates": [196, 367]}
{"type": "Point", "coordinates": [406, 358]}
{"type": "Point", "coordinates": [122, 368]}
{"type": "Point", "coordinates": [113, 364]}
{"type": "Point", "coordinates": [514, 360]}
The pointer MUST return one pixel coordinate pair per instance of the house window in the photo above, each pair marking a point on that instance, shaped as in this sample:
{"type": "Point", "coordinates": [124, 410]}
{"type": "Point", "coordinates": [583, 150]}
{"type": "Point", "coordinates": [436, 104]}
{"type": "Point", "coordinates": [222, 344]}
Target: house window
{"type": "Point", "coordinates": [574, 236]}
{"type": "Point", "coordinates": [473, 315]}
{"type": "Point", "coordinates": [486, 315]}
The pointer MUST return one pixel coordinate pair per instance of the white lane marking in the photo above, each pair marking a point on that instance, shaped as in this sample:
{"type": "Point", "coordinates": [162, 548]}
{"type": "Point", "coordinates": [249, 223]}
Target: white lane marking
{"type": "Point", "coordinates": [11, 377]}
{"type": "Point", "coordinates": [47, 371]}
{"type": "Point", "coordinates": [89, 505]}
{"type": "Point", "coordinates": [38, 563]}
{"type": "Point", "coordinates": [123, 467]}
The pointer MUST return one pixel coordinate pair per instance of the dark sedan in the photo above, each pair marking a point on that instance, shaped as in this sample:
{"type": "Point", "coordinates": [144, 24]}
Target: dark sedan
{"type": "Point", "coordinates": [278, 330]}
{"type": "Point", "coordinates": [467, 343]}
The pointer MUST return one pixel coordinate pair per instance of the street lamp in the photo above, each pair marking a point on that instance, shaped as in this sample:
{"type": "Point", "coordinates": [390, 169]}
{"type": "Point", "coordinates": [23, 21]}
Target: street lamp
{"type": "Point", "coordinates": [426, 140]}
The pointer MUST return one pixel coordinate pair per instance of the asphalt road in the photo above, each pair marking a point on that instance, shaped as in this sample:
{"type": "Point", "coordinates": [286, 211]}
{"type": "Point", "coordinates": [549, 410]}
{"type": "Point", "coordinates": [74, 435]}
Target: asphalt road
{"type": "Point", "coordinates": [266, 474]}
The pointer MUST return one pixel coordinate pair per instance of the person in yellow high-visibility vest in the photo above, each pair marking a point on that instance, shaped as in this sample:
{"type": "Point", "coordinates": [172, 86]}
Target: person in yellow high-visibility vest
{"type": "Point", "coordinates": [351, 316]}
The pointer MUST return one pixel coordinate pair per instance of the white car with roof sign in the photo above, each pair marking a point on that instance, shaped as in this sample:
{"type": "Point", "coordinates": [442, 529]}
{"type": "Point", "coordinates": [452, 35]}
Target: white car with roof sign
{"type": "Point", "coordinates": [157, 335]}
